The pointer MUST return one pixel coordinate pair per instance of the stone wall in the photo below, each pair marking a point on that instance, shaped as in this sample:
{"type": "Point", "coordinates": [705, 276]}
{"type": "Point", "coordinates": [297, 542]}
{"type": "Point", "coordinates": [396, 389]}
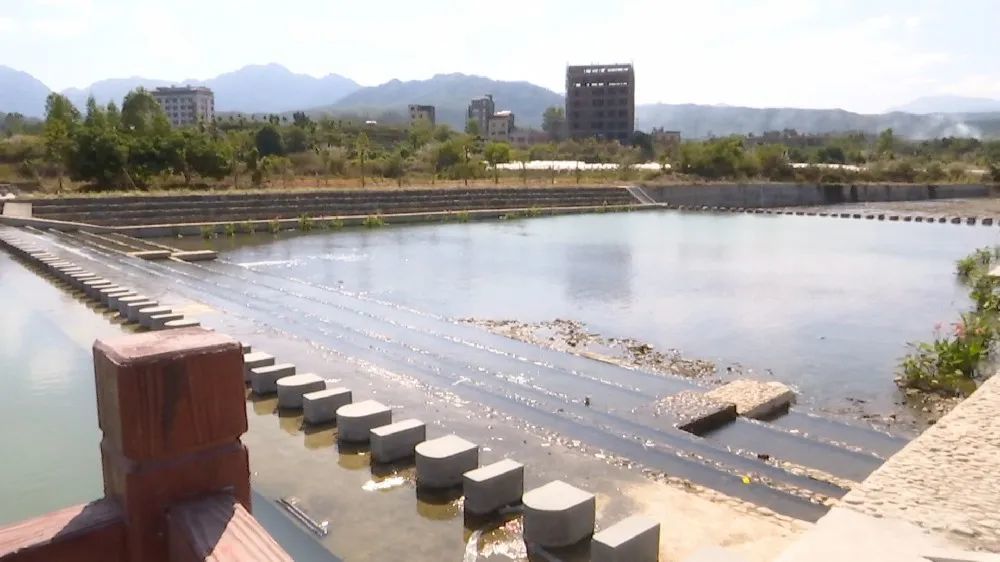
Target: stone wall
{"type": "Point", "coordinates": [765, 195]}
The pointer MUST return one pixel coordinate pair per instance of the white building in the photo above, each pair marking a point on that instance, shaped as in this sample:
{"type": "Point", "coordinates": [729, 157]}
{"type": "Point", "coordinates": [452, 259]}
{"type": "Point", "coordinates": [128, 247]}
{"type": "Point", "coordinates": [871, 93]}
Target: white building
{"type": "Point", "coordinates": [187, 105]}
{"type": "Point", "coordinates": [500, 126]}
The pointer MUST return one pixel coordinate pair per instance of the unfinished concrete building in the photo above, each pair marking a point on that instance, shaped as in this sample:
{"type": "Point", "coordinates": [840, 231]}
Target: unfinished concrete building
{"type": "Point", "coordinates": [600, 101]}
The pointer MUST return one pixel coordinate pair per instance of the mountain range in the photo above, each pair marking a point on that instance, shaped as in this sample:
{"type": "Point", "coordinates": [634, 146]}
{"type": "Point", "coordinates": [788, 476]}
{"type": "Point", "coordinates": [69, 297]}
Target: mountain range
{"type": "Point", "coordinates": [273, 88]}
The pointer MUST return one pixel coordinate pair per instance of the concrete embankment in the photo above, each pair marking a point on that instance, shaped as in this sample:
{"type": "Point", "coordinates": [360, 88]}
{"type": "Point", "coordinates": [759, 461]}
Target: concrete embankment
{"type": "Point", "coordinates": [765, 195]}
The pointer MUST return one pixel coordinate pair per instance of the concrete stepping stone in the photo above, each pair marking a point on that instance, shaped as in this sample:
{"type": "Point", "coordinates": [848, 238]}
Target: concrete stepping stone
{"type": "Point", "coordinates": [146, 314]}
{"type": "Point", "coordinates": [635, 539]}
{"type": "Point", "coordinates": [247, 348]}
{"type": "Point", "coordinates": [91, 287]}
{"type": "Point", "coordinates": [355, 421]}
{"type": "Point", "coordinates": [264, 379]}
{"type": "Point", "coordinates": [132, 309]}
{"type": "Point", "coordinates": [151, 254]}
{"type": "Point", "coordinates": [398, 440]}
{"type": "Point", "coordinates": [159, 321]}
{"type": "Point", "coordinates": [291, 389]}
{"type": "Point", "coordinates": [558, 514]}
{"type": "Point", "coordinates": [125, 301]}
{"type": "Point", "coordinates": [257, 359]}
{"type": "Point", "coordinates": [441, 462]}
{"type": "Point", "coordinates": [113, 298]}
{"type": "Point", "coordinates": [488, 488]}
{"type": "Point", "coordinates": [691, 411]}
{"type": "Point", "coordinates": [195, 255]}
{"type": "Point", "coordinates": [321, 406]}
{"type": "Point", "coordinates": [754, 399]}
{"type": "Point", "coordinates": [181, 323]}
{"type": "Point", "coordinates": [116, 290]}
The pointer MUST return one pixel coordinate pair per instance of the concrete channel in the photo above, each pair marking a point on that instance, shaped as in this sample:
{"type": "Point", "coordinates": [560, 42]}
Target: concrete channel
{"type": "Point", "coordinates": [486, 369]}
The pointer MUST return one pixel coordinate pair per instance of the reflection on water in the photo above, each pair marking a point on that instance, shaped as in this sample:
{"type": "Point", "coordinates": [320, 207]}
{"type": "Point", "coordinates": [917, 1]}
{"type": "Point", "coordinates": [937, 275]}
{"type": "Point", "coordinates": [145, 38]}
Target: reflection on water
{"type": "Point", "coordinates": [440, 505]}
{"type": "Point", "coordinates": [824, 304]}
{"type": "Point", "coordinates": [320, 436]}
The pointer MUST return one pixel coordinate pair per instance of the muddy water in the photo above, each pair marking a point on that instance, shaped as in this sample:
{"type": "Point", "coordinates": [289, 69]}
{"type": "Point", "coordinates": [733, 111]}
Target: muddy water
{"type": "Point", "coordinates": [827, 305]}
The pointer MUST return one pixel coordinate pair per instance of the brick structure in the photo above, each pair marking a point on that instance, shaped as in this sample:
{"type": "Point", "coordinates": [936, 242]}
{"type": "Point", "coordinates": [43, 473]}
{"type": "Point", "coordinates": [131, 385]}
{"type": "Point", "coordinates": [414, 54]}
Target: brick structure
{"type": "Point", "coordinates": [600, 101]}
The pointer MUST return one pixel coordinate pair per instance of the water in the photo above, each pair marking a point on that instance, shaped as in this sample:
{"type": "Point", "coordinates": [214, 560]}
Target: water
{"type": "Point", "coordinates": [827, 305]}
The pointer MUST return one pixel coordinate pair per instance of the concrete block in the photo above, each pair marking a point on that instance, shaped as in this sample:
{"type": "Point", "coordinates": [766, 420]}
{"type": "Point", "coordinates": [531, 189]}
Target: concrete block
{"type": "Point", "coordinates": [970, 220]}
{"type": "Point", "coordinates": [111, 299]}
{"type": "Point", "coordinates": [151, 254]}
{"type": "Point", "coordinates": [635, 539]}
{"type": "Point", "coordinates": [692, 411]}
{"type": "Point", "coordinates": [869, 217]}
{"type": "Point", "coordinates": [558, 514]}
{"type": "Point", "coordinates": [907, 218]}
{"type": "Point", "coordinates": [488, 488]}
{"type": "Point", "coordinates": [181, 323]}
{"type": "Point", "coordinates": [321, 406]}
{"type": "Point", "coordinates": [91, 287]}
{"type": "Point", "coordinates": [258, 359]}
{"type": "Point", "coordinates": [145, 315]}
{"type": "Point", "coordinates": [987, 221]}
{"type": "Point", "coordinates": [441, 462]}
{"type": "Point", "coordinates": [122, 305]}
{"type": "Point", "coordinates": [918, 218]}
{"type": "Point", "coordinates": [397, 440]}
{"type": "Point", "coordinates": [956, 220]}
{"type": "Point", "coordinates": [159, 321]}
{"type": "Point", "coordinates": [291, 389]}
{"type": "Point", "coordinates": [893, 217]}
{"type": "Point", "coordinates": [264, 380]}
{"type": "Point", "coordinates": [117, 290]}
{"type": "Point", "coordinates": [247, 348]}
{"type": "Point", "coordinates": [754, 399]}
{"type": "Point", "coordinates": [196, 255]}
{"type": "Point", "coordinates": [355, 421]}
{"type": "Point", "coordinates": [942, 219]}
{"type": "Point", "coordinates": [845, 215]}
{"type": "Point", "coordinates": [132, 309]}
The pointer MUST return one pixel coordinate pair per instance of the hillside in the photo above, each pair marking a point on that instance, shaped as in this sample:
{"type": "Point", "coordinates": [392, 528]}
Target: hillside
{"type": "Point", "coordinates": [21, 92]}
{"type": "Point", "coordinates": [450, 94]}
{"type": "Point", "coordinates": [950, 104]}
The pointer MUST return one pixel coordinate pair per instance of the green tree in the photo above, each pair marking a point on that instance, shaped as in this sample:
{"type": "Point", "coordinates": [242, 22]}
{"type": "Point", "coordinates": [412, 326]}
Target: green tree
{"type": "Point", "coordinates": [142, 115]}
{"type": "Point", "coordinates": [296, 140]}
{"type": "Point", "coordinates": [62, 120]}
{"type": "Point", "coordinates": [442, 133]}
{"type": "Point", "coordinates": [522, 156]}
{"type": "Point", "coordinates": [472, 128]}
{"type": "Point", "coordinates": [301, 120]}
{"type": "Point", "coordinates": [554, 122]}
{"type": "Point", "coordinates": [361, 146]}
{"type": "Point", "coordinates": [644, 142]}
{"type": "Point", "coordinates": [886, 145]}
{"type": "Point", "coordinates": [269, 142]}
{"type": "Point", "coordinates": [497, 153]}
{"type": "Point", "coordinates": [772, 161]}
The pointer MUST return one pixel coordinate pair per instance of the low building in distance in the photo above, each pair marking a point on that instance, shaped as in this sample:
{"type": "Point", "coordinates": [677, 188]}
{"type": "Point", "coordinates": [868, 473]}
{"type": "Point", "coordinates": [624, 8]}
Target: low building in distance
{"type": "Point", "coordinates": [480, 111]}
{"type": "Point", "coordinates": [422, 114]}
{"type": "Point", "coordinates": [186, 105]}
{"type": "Point", "coordinates": [527, 137]}
{"type": "Point", "coordinates": [600, 101]}
{"type": "Point", "coordinates": [500, 126]}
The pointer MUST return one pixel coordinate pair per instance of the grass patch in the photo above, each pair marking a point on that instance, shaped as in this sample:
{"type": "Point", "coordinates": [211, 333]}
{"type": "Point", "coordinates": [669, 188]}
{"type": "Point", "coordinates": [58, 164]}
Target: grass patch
{"type": "Point", "coordinates": [373, 221]}
{"type": "Point", "coordinates": [335, 224]}
{"type": "Point", "coordinates": [305, 223]}
{"type": "Point", "coordinates": [247, 227]}
{"type": "Point", "coordinates": [463, 216]}
{"type": "Point", "coordinates": [229, 229]}
{"type": "Point", "coordinates": [207, 232]}
{"type": "Point", "coordinates": [274, 226]}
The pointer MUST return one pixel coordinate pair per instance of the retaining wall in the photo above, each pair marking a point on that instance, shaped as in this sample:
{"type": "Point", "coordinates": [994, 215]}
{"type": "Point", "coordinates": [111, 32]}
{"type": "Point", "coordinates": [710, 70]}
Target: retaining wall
{"type": "Point", "coordinates": [762, 195]}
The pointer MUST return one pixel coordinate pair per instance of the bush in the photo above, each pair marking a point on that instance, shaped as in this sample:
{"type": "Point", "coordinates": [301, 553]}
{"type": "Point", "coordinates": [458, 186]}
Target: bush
{"type": "Point", "coordinates": [373, 221]}
{"type": "Point", "coordinates": [948, 365]}
{"type": "Point", "coordinates": [336, 224]}
{"type": "Point", "coordinates": [248, 227]}
{"type": "Point", "coordinates": [229, 229]}
{"type": "Point", "coordinates": [207, 232]}
{"type": "Point", "coordinates": [274, 226]}
{"type": "Point", "coordinates": [305, 223]}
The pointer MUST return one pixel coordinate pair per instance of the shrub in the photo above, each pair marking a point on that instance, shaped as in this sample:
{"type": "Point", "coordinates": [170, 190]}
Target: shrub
{"type": "Point", "coordinates": [274, 226]}
{"type": "Point", "coordinates": [305, 223]}
{"type": "Point", "coordinates": [207, 232]}
{"type": "Point", "coordinates": [948, 364]}
{"type": "Point", "coordinates": [463, 216]}
{"type": "Point", "coordinates": [373, 221]}
{"type": "Point", "coordinates": [229, 229]}
{"type": "Point", "coordinates": [336, 224]}
{"type": "Point", "coordinates": [247, 227]}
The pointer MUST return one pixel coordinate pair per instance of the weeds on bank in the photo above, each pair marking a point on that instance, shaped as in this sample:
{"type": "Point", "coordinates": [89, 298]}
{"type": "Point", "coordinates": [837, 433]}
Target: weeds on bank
{"type": "Point", "coordinates": [463, 216]}
{"type": "Point", "coordinates": [953, 361]}
{"type": "Point", "coordinates": [305, 223]}
{"type": "Point", "coordinates": [248, 227]}
{"type": "Point", "coordinates": [274, 226]}
{"type": "Point", "coordinates": [229, 229]}
{"type": "Point", "coordinates": [335, 224]}
{"type": "Point", "coordinates": [207, 232]}
{"type": "Point", "coordinates": [373, 221]}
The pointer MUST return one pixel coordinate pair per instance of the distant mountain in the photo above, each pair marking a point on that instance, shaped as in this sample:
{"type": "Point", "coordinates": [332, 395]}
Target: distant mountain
{"type": "Point", "coordinates": [450, 94]}
{"type": "Point", "coordinates": [268, 88]}
{"type": "Point", "coordinates": [22, 93]}
{"type": "Point", "coordinates": [700, 121]}
{"type": "Point", "coordinates": [950, 104]}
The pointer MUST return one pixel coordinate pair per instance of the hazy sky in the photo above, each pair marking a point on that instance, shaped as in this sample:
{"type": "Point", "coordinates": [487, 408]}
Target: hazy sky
{"type": "Point", "coordinates": [861, 55]}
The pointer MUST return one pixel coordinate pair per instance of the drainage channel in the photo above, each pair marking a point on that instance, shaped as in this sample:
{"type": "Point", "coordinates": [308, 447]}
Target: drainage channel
{"type": "Point", "coordinates": [538, 405]}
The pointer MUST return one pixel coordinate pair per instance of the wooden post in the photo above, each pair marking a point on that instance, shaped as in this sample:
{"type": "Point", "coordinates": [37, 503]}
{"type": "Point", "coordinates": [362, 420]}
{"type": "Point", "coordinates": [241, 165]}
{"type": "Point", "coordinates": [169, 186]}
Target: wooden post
{"type": "Point", "coordinates": [171, 407]}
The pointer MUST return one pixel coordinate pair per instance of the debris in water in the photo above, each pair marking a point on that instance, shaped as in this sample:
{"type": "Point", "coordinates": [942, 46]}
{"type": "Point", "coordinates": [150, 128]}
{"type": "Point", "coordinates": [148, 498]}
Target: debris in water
{"type": "Point", "coordinates": [586, 401]}
{"type": "Point", "coordinates": [393, 482]}
{"type": "Point", "coordinates": [746, 479]}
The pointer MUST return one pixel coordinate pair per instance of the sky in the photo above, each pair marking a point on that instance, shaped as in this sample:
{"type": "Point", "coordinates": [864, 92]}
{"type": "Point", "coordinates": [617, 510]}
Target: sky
{"type": "Point", "coordinates": [859, 55]}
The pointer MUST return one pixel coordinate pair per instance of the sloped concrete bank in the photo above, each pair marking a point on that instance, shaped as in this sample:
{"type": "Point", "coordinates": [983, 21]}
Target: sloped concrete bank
{"type": "Point", "coordinates": [765, 195]}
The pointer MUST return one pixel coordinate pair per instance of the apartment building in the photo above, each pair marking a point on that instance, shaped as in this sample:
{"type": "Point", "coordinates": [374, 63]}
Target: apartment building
{"type": "Point", "coordinates": [500, 126]}
{"type": "Point", "coordinates": [480, 111]}
{"type": "Point", "coordinates": [186, 105]}
{"type": "Point", "coordinates": [422, 114]}
{"type": "Point", "coordinates": [600, 101]}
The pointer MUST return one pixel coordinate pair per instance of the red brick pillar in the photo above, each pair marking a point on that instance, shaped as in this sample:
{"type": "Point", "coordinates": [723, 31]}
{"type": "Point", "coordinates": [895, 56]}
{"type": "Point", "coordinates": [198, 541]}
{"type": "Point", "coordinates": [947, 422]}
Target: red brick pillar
{"type": "Point", "coordinates": [171, 407]}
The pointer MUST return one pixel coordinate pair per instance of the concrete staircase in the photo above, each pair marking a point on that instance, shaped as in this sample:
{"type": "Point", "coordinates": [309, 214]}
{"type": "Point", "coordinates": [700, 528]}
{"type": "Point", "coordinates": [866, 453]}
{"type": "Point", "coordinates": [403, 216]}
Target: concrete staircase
{"type": "Point", "coordinates": [186, 209]}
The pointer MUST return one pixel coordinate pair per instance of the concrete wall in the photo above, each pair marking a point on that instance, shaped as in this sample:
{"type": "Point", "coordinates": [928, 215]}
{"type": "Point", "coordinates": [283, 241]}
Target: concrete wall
{"type": "Point", "coordinates": [790, 194]}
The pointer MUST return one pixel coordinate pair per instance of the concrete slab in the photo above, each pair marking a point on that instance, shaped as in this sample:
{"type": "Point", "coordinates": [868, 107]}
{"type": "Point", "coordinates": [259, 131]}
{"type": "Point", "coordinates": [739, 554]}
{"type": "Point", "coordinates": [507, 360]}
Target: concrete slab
{"type": "Point", "coordinates": [488, 488]}
{"type": "Point", "coordinates": [111, 299]}
{"type": "Point", "coordinates": [692, 411]}
{"type": "Point", "coordinates": [634, 539]}
{"type": "Point", "coordinates": [321, 406]}
{"type": "Point", "coordinates": [397, 440]}
{"type": "Point", "coordinates": [93, 286]}
{"type": "Point", "coordinates": [181, 323]}
{"type": "Point", "coordinates": [558, 514]}
{"type": "Point", "coordinates": [264, 379]}
{"type": "Point", "coordinates": [196, 255]}
{"type": "Point", "coordinates": [355, 421]}
{"type": "Point", "coordinates": [151, 254]}
{"type": "Point", "coordinates": [441, 462]}
{"type": "Point", "coordinates": [159, 321]}
{"type": "Point", "coordinates": [123, 303]}
{"type": "Point", "coordinates": [755, 399]}
{"type": "Point", "coordinates": [132, 309]}
{"type": "Point", "coordinates": [258, 359]}
{"type": "Point", "coordinates": [145, 315]}
{"type": "Point", "coordinates": [247, 348]}
{"type": "Point", "coordinates": [291, 389]}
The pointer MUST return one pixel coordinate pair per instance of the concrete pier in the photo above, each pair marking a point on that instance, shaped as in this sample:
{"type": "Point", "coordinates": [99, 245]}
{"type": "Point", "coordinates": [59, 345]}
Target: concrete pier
{"type": "Point", "coordinates": [132, 309]}
{"type": "Point", "coordinates": [291, 389]}
{"type": "Point", "coordinates": [257, 359]}
{"type": "Point", "coordinates": [122, 304]}
{"type": "Point", "coordinates": [397, 440]}
{"type": "Point", "coordinates": [488, 488]}
{"type": "Point", "coordinates": [441, 462]}
{"type": "Point", "coordinates": [355, 421]}
{"type": "Point", "coordinates": [146, 314]}
{"type": "Point", "coordinates": [558, 514]}
{"type": "Point", "coordinates": [321, 406]}
{"type": "Point", "coordinates": [635, 539]}
{"type": "Point", "coordinates": [113, 298]}
{"type": "Point", "coordinates": [264, 379]}
{"type": "Point", "coordinates": [159, 321]}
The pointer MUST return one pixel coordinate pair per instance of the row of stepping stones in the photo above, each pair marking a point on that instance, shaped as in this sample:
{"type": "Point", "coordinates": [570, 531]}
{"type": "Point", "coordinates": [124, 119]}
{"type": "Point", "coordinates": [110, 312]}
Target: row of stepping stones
{"type": "Point", "coordinates": [129, 304]}
{"type": "Point", "coordinates": [555, 515]}
{"type": "Point", "coordinates": [985, 221]}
